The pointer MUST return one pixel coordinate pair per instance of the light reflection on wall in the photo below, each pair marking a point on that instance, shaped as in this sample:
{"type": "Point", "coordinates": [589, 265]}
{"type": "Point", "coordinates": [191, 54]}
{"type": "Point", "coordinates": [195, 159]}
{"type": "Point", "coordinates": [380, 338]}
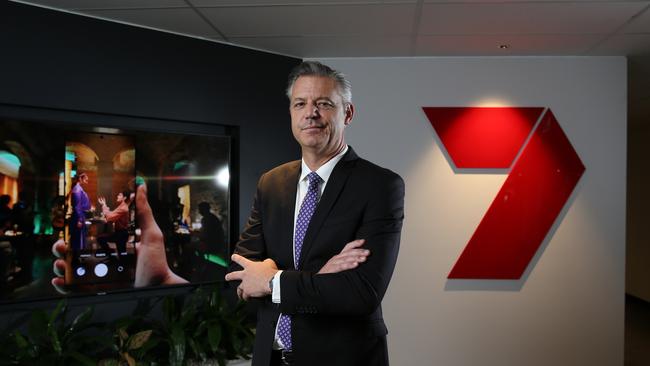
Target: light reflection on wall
{"type": "Point", "coordinates": [493, 101]}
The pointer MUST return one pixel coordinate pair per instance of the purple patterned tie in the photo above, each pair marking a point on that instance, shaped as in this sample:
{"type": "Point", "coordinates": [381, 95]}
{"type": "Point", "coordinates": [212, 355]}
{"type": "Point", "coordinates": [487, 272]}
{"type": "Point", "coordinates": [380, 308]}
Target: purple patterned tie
{"type": "Point", "coordinates": [304, 216]}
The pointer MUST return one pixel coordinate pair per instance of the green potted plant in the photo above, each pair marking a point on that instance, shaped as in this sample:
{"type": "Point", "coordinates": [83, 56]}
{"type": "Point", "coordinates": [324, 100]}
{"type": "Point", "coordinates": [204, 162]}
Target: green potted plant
{"type": "Point", "coordinates": [51, 339]}
{"type": "Point", "coordinates": [134, 341]}
{"type": "Point", "coordinates": [197, 329]}
{"type": "Point", "coordinates": [203, 330]}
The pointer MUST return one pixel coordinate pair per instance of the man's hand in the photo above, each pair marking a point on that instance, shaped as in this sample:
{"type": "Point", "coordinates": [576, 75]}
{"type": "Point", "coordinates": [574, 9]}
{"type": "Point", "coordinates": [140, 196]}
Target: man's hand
{"type": "Point", "coordinates": [102, 201]}
{"type": "Point", "coordinates": [350, 257]}
{"type": "Point", "coordinates": [254, 276]}
{"type": "Point", "coordinates": [151, 261]}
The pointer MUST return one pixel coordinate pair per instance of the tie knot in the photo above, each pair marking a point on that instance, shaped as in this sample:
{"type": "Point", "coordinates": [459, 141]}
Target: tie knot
{"type": "Point", "coordinates": [314, 179]}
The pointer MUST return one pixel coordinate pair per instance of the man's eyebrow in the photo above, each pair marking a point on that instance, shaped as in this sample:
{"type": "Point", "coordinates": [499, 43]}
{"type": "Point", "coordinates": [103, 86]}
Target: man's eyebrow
{"type": "Point", "coordinates": [301, 99]}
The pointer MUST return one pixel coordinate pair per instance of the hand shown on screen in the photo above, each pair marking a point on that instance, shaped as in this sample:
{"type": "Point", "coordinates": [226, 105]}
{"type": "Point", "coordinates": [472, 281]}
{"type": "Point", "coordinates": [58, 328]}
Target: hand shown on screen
{"type": "Point", "coordinates": [151, 261]}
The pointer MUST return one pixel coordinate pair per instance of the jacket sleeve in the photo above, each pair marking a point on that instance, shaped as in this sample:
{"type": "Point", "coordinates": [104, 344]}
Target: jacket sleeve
{"type": "Point", "coordinates": [360, 290]}
{"type": "Point", "coordinates": [78, 206]}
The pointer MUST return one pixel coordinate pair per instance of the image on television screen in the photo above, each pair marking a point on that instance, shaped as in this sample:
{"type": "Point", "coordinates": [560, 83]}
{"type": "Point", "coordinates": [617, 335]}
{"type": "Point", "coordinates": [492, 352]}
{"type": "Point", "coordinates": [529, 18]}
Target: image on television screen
{"type": "Point", "coordinates": [79, 184]}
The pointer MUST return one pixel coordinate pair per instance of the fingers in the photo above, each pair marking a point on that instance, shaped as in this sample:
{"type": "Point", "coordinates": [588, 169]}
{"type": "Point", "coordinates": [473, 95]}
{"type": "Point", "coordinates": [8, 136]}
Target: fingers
{"type": "Point", "coordinates": [151, 233]}
{"type": "Point", "coordinates": [242, 261]}
{"type": "Point", "coordinates": [142, 208]}
{"type": "Point", "coordinates": [235, 276]}
{"type": "Point", "coordinates": [58, 282]}
{"type": "Point", "coordinates": [344, 266]}
{"type": "Point", "coordinates": [353, 244]}
{"type": "Point", "coordinates": [352, 255]}
{"type": "Point", "coordinates": [59, 285]}
{"type": "Point", "coordinates": [347, 259]}
{"type": "Point", "coordinates": [241, 294]}
{"type": "Point", "coordinates": [58, 267]}
{"type": "Point", "coordinates": [271, 263]}
{"type": "Point", "coordinates": [347, 262]}
{"type": "Point", "coordinates": [58, 248]}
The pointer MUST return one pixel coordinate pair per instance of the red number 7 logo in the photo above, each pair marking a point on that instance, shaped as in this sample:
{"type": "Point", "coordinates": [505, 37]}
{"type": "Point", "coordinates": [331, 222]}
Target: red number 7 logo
{"type": "Point", "coordinates": [544, 170]}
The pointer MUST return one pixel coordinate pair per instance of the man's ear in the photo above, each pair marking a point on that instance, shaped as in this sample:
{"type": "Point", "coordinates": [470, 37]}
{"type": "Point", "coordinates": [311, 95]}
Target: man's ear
{"type": "Point", "coordinates": [349, 113]}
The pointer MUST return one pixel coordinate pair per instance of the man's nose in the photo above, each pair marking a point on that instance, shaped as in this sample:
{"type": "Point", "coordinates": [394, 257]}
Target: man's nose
{"type": "Point", "coordinates": [312, 112]}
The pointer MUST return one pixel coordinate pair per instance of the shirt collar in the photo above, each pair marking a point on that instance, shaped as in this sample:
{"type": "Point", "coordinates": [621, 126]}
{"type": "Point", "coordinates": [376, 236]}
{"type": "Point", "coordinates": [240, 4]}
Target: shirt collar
{"type": "Point", "coordinates": [325, 170]}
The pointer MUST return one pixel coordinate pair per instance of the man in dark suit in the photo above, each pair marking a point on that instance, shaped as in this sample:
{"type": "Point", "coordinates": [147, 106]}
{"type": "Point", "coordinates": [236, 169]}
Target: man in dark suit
{"type": "Point", "coordinates": [322, 239]}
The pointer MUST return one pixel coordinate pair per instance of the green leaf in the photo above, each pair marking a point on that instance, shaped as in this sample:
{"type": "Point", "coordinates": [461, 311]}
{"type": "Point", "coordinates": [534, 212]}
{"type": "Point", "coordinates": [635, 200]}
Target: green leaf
{"type": "Point", "coordinates": [138, 340]}
{"type": "Point", "coordinates": [54, 339]}
{"type": "Point", "coordinates": [59, 307]}
{"type": "Point", "coordinates": [84, 360]}
{"type": "Point", "coordinates": [144, 350]}
{"type": "Point", "coordinates": [221, 360]}
{"type": "Point", "coordinates": [122, 333]}
{"type": "Point", "coordinates": [214, 298]}
{"type": "Point", "coordinates": [108, 362]}
{"type": "Point", "coordinates": [198, 332]}
{"type": "Point", "coordinates": [197, 349]}
{"type": "Point", "coordinates": [177, 345]}
{"type": "Point", "coordinates": [214, 337]}
{"type": "Point", "coordinates": [79, 322]}
{"type": "Point", "coordinates": [188, 314]}
{"type": "Point", "coordinates": [20, 340]}
{"type": "Point", "coordinates": [129, 359]}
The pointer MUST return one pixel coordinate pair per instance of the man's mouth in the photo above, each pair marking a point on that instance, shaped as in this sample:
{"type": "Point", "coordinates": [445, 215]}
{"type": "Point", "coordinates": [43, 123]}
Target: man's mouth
{"type": "Point", "coordinates": [314, 127]}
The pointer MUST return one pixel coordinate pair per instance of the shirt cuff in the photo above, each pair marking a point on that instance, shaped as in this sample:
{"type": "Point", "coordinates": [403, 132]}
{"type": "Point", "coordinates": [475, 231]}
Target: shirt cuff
{"type": "Point", "coordinates": [275, 295]}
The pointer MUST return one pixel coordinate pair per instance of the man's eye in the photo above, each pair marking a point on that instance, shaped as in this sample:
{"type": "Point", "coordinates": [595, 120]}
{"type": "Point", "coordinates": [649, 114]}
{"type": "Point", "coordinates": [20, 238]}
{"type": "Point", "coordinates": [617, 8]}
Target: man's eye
{"type": "Point", "coordinates": [326, 105]}
{"type": "Point", "coordinates": [298, 105]}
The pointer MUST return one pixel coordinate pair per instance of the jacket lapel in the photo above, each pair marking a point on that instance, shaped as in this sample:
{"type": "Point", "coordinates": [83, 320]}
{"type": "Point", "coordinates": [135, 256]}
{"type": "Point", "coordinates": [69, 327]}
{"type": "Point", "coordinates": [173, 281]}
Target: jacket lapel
{"type": "Point", "coordinates": [333, 189]}
{"type": "Point", "coordinates": [287, 195]}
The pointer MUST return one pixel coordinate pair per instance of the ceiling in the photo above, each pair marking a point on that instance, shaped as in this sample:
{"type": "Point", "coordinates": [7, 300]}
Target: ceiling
{"type": "Point", "coordinates": [404, 28]}
{"type": "Point", "coordinates": [388, 28]}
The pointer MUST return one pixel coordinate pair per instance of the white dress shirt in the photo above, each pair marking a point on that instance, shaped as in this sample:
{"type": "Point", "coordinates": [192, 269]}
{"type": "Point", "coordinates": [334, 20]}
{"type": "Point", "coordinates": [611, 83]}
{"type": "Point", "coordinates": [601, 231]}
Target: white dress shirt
{"type": "Point", "coordinates": [324, 173]}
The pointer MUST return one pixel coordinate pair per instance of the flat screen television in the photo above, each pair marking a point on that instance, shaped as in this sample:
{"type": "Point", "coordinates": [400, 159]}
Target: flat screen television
{"type": "Point", "coordinates": [78, 181]}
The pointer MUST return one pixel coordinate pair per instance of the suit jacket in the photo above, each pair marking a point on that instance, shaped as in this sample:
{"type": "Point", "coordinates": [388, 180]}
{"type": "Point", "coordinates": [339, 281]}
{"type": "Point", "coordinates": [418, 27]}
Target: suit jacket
{"type": "Point", "coordinates": [337, 318]}
{"type": "Point", "coordinates": [80, 204]}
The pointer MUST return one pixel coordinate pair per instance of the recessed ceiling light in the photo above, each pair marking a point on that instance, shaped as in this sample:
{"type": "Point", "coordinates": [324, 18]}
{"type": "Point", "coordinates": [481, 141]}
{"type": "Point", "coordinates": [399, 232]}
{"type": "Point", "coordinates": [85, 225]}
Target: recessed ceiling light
{"type": "Point", "coordinates": [504, 46]}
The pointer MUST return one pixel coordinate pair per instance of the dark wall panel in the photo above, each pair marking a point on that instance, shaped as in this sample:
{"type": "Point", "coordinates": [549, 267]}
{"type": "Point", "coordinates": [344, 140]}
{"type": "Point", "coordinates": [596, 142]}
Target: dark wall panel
{"type": "Point", "coordinates": [64, 61]}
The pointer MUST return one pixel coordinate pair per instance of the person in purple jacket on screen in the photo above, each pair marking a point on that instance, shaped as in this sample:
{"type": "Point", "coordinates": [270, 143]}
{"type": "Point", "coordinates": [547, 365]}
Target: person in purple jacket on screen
{"type": "Point", "coordinates": [80, 204]}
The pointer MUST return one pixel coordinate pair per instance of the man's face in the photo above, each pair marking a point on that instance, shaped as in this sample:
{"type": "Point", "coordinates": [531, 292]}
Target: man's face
{"type": "Point", "coordinates": [318, 114]}
{"type": "Point", "coordinates": [120, 198]}
{"type": "Point", "coordinates": [83, 179]}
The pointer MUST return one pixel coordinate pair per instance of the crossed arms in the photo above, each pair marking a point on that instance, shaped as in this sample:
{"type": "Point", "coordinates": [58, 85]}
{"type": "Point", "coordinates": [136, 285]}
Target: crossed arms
{"type": "Point", "coordinates": [351, 282]}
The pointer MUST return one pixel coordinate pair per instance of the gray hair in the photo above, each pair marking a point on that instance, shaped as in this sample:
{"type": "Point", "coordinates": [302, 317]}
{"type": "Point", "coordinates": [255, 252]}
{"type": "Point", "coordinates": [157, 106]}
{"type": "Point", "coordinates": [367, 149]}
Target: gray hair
{"type": "Point", "coordinates": [315, 68]}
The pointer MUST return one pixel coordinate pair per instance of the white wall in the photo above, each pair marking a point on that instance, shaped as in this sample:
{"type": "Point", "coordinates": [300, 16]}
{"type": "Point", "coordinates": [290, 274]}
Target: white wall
{"type": "Point", "coordinates": [569, 308]}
